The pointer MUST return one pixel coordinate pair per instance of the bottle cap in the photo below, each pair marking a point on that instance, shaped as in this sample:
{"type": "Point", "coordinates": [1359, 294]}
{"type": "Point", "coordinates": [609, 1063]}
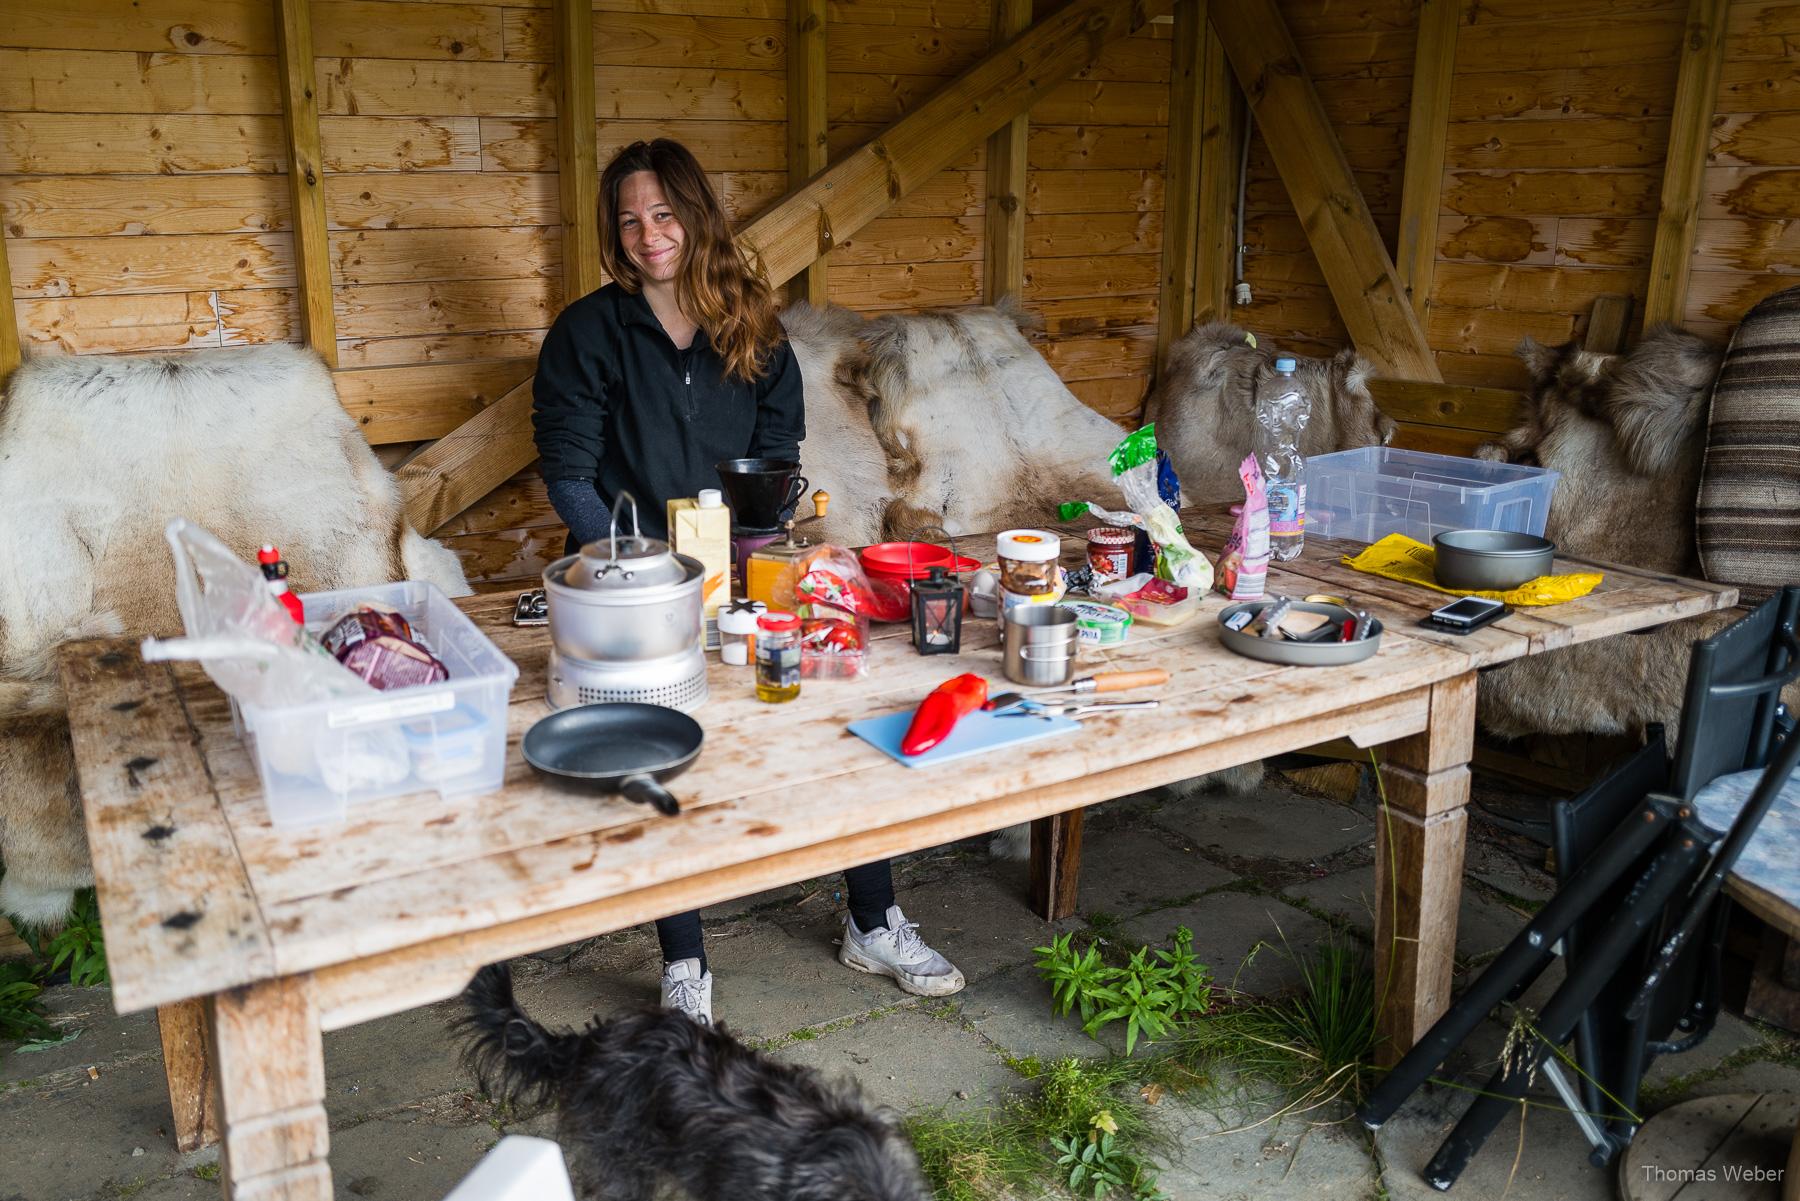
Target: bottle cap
{"type": "Point", "coordinates": [267, 554]}
{"type": "Point", "coordinates": [711, 498]}
{"type": "Point", "coordinates": [1030, 546]}
{"type": "Point", "coordinates": [1284, 363]}
{"type": "Point", "coordinates": [777, 623]}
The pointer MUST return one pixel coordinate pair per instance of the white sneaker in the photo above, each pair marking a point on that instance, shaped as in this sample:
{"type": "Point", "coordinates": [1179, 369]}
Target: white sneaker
{"type": "Point", "coordinates": [897, 950]}
{"type": "Point", "coordinates": [687, 989]}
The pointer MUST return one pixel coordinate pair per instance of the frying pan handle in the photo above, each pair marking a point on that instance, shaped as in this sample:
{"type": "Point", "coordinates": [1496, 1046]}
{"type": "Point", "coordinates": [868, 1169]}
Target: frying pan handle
{"type": "Point", "coordinates": [646, 791]}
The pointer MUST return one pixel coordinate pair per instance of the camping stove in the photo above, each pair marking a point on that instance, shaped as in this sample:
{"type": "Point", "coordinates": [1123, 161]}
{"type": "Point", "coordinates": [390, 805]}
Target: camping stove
{"type": "Point", "coordinates": [625, 623]}
{"type": "Point", "coordinates": [675, 682]}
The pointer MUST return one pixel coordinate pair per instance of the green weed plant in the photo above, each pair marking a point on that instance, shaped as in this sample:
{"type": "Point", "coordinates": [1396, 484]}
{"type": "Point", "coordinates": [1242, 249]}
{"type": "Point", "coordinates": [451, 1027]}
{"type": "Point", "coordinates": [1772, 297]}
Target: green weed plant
{"type": "Point", "coordinates": [78, 948]}
{"type": "Point", "coordinates": [1150, 993]}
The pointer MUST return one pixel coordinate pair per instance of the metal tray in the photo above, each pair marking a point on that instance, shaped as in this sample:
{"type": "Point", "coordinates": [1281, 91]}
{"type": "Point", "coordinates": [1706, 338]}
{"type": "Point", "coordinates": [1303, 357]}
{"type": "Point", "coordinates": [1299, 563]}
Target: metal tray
{"type": "Point", "coordinates": [1298, 654]}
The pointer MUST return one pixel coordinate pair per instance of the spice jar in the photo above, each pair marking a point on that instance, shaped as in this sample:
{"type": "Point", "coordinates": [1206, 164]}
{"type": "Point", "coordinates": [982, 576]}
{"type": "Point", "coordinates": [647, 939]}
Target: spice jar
{"type": "Point", "coordinates": [1028, 562]}
{"type": "Point", "coordinates": [777, 657]}
{"type": "Point", "coordinates": [737, 631]}
{"type": "Point", "coordinates": [1109, 552]}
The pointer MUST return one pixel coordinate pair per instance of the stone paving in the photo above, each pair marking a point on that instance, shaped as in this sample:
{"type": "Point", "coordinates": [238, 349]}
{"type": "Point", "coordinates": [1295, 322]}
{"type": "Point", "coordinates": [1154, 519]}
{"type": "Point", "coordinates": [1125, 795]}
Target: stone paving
{"type": "Point", "coordinates": [88, 1121]}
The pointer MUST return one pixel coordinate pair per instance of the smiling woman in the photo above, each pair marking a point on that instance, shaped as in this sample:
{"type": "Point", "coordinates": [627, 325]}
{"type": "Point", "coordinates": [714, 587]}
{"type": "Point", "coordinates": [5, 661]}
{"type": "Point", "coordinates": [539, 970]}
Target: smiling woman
{"type": "Point", "coordinates": [645, 385]}
{"type": "Point", "coordinates": [677, 364]}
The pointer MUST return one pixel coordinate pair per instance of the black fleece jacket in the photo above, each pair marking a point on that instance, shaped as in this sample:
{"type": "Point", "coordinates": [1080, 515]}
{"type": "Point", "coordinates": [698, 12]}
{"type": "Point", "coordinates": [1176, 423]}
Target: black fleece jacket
{"type": "Point", "coordinates": [615, 403]}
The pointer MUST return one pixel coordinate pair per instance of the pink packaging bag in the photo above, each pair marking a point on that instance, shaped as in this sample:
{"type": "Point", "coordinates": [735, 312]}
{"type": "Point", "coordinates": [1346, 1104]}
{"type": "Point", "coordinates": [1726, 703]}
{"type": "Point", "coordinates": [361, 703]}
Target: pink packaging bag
{"type": "Point", "coordinates": [1244, 564]}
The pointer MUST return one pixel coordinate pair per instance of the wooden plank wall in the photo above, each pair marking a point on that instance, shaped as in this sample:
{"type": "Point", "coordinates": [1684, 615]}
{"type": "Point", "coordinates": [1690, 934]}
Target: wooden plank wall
{"type": "Point", "coordinates": [1558, 127]}
{"type": "Point", "coordinates": [141, 154]}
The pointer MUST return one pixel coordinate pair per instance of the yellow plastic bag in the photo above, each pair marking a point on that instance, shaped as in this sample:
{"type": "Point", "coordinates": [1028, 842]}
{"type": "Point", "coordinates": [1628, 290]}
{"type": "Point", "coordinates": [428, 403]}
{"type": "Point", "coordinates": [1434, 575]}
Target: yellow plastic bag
{"type": "Point", "coordinates": [1397, 557]}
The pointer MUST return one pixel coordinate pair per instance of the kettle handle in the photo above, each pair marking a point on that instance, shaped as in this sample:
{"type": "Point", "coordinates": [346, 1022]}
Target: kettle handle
{"type": "Point", "coordinates": [613, 531]}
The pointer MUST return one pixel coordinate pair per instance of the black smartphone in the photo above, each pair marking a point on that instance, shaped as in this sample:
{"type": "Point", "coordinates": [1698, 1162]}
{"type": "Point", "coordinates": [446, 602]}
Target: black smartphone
{"type": "Point", "coordinates": [1462, 616]}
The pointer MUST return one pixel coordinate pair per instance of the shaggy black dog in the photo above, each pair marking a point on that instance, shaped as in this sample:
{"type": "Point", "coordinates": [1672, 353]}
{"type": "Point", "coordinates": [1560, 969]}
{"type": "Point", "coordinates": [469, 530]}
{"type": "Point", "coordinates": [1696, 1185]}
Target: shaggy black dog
{"type": "Point", "coordinates": [652, 1094]}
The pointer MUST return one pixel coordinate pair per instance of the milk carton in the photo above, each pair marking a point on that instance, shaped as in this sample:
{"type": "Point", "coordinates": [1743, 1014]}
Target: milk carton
{"type": "Point", "coordinates": [700, 527]}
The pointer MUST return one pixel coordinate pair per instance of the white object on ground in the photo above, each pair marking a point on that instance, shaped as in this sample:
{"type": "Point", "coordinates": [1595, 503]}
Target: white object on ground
{"type": "Point", "coordinates": [519, 1168]}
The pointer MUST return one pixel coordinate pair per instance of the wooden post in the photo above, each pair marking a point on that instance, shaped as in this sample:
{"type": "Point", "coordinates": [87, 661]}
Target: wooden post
{"type": "Point", "coordinates": [11, 354]}
{"type": "Point", "coordinates": [1003, 228]}
{"type": "Point", "coordinates": [1422, 189]}
{"type": "Point", "coordinates": [271, 1065]}
{"type": "Point", "coordinates": [1344, 240]}
{"type": "Point", "coordinates": [187, 1064]}
{"type": "Point", "coordinates": [577, 150]}
{"type": "Point", "coordinates": [807, 145]}
{"type": "Point", "coordinates": [1420, 830]}
{"type": "Point", "coordinates": [1608, 323]}
{"type": "Point", "coordinates": [491, 446]}
{"type": "Point", "coordinates": [1690, 131]}
{"type": "Point", "coordinates": [306, 181]}
{"type": "Point", "coordinates": [1221, 147]}
{"type": "Point", "coordinates": [1055, 864]}
{"type": "Point", "coordinates": [1181, 203]}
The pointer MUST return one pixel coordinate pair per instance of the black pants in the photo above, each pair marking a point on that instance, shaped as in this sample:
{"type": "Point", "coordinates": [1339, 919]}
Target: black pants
{"type": "Point", "coordinates": [870, 889]}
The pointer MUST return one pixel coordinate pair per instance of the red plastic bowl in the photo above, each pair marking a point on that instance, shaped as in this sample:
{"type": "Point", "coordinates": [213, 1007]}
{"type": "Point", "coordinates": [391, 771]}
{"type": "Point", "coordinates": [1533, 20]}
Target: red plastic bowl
{"type": "Point", "coordinates": [904, 560]}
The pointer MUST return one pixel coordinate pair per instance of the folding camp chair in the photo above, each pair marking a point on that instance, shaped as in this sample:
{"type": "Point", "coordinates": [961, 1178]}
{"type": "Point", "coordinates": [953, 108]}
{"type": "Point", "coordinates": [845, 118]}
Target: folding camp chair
{"type": "Point", "coordinates": [1646, 879]}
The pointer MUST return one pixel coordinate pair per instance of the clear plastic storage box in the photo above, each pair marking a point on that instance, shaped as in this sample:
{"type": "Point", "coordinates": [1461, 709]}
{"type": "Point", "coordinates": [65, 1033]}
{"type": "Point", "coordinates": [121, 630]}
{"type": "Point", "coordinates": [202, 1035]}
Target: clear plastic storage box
{"type": "Point", "coordinates": [1363, 495]}
{"type": "Point", "coordinates": [317, 760]}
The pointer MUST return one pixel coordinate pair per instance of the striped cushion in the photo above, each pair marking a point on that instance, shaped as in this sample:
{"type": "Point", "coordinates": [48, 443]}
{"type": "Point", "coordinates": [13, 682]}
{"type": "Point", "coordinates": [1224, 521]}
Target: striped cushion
{"type": "Point", "coordinates": [1748, 513]}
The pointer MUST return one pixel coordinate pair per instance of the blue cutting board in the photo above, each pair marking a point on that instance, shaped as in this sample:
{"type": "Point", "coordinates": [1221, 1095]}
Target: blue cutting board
{"type": "Point", "coordinates": [979, 731]}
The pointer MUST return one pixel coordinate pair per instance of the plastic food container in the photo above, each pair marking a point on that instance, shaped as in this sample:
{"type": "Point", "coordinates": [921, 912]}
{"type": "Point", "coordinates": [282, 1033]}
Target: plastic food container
{"type": "Point", "coordinates": [318, 760]}
{"type": "Point", "coordinates": [1364, 495]}
{"type": "Point", "coordinates": [1028, 562]}
{"type": "Point", "coordinates": [1098, 624]}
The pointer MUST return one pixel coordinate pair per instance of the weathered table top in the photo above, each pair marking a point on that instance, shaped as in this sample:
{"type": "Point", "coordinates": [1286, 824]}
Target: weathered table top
{"type": "Point", "coordinates": [200, 892]}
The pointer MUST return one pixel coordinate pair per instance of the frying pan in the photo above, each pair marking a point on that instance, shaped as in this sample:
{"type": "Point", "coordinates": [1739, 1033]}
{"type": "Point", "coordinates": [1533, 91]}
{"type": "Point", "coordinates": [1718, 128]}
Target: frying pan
{"type": "Point", "coordinates": [618, 746]}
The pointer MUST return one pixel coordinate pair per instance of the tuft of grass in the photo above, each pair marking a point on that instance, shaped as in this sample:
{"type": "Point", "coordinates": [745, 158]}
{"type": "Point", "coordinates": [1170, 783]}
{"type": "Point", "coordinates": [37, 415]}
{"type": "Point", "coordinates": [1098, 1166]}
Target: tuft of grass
{"type": "Point", "coordinates": [207, 1171]}
{"type": "Point", "coordinates": [1317, 1044]}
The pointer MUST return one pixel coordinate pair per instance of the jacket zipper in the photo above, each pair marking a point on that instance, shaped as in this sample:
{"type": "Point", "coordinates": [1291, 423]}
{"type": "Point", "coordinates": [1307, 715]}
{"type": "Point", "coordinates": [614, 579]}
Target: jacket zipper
{"type": "Point", "coordinates": [687, 381]}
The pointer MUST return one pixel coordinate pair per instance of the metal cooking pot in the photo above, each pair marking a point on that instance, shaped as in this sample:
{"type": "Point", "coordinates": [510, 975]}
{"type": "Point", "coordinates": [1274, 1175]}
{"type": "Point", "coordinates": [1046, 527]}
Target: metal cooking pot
{"type": "Point", "coordinates": [625, 600]}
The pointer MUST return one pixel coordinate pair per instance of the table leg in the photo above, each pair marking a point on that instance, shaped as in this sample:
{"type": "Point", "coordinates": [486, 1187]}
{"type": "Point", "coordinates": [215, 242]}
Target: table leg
{"type": "Point", "coordinates": [1419, 835]}
{"type": "Point", "coordinates": [187, 1063]}
{"type": "Point", "coordinates": [271, 1071]}
{"type": "Point", "coordinates": [1055, 864]}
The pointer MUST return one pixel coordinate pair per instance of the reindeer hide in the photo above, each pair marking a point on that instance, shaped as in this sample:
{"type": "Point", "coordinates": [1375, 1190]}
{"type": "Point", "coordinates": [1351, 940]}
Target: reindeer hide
{"type": "Point", "coordinates": [1205, 405]}
{"type": "Point", "coordinates": [1626, 434]}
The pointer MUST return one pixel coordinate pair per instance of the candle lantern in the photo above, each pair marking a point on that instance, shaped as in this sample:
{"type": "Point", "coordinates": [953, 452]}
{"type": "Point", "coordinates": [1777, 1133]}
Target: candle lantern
{"type": "Point", "coordinates": [937, 608]}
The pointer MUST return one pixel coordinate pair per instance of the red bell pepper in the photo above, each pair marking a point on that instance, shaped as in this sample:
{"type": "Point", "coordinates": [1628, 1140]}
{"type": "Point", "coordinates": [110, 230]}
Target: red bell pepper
{"type": "Point", "coordinates": [939, 712]}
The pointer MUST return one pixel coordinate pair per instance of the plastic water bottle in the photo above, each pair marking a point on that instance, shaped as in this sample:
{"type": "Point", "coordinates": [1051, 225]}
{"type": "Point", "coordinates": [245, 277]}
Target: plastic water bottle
{"type": "Point", "coordinates": [1281, 414]}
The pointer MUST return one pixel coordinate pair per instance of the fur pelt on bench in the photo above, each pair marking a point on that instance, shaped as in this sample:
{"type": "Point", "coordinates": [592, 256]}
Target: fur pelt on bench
{"type": "Point", "coordinates": [96, 455]}
{"type": "Point", "coordinates": [944, 417]}
{"type": "Point", "coordinates": [1205, 405]}
{"type": "Point", "coordinates": [1626, 432]}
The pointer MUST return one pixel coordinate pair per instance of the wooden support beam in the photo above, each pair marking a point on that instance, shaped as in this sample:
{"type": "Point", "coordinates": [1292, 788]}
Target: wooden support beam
{"type": "Point", "coordinates": [1344, 240]}
{"type": "Point", "coordinates": [10, 353]}
{"type": "Point", "coordinates": [577, 149]}
{"type": "Point", "coordinates": [450, 475]}
{"type": "Point", "coordinates": [306, 175]}
{"type": "Point", "coordinates": [1690, 131]}
{"type": "Point", "coordinates": [1462, 406]}
{"type": "Point", "coordinates": [1221, 148]}
{"type": "Point", "coordinates": [1422, 186]}
{"type": "Point", "coordinates": [1176, 305]}
{"type": "Point", "coordinates": [1609, 321]}
{"type": "Point", "coordinates": [807, 146]}
{"type": "Point", "coordinates": [1003, 229]}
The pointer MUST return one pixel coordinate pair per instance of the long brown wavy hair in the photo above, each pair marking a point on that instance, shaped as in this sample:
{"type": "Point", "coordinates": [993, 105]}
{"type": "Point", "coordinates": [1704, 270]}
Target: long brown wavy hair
{"type": "Point", "coordinates": [716, 284]}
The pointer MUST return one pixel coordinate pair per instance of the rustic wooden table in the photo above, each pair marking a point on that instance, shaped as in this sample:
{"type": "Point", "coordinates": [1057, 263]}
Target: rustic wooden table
{"type": "Point", "coordinates": [252, 941]}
